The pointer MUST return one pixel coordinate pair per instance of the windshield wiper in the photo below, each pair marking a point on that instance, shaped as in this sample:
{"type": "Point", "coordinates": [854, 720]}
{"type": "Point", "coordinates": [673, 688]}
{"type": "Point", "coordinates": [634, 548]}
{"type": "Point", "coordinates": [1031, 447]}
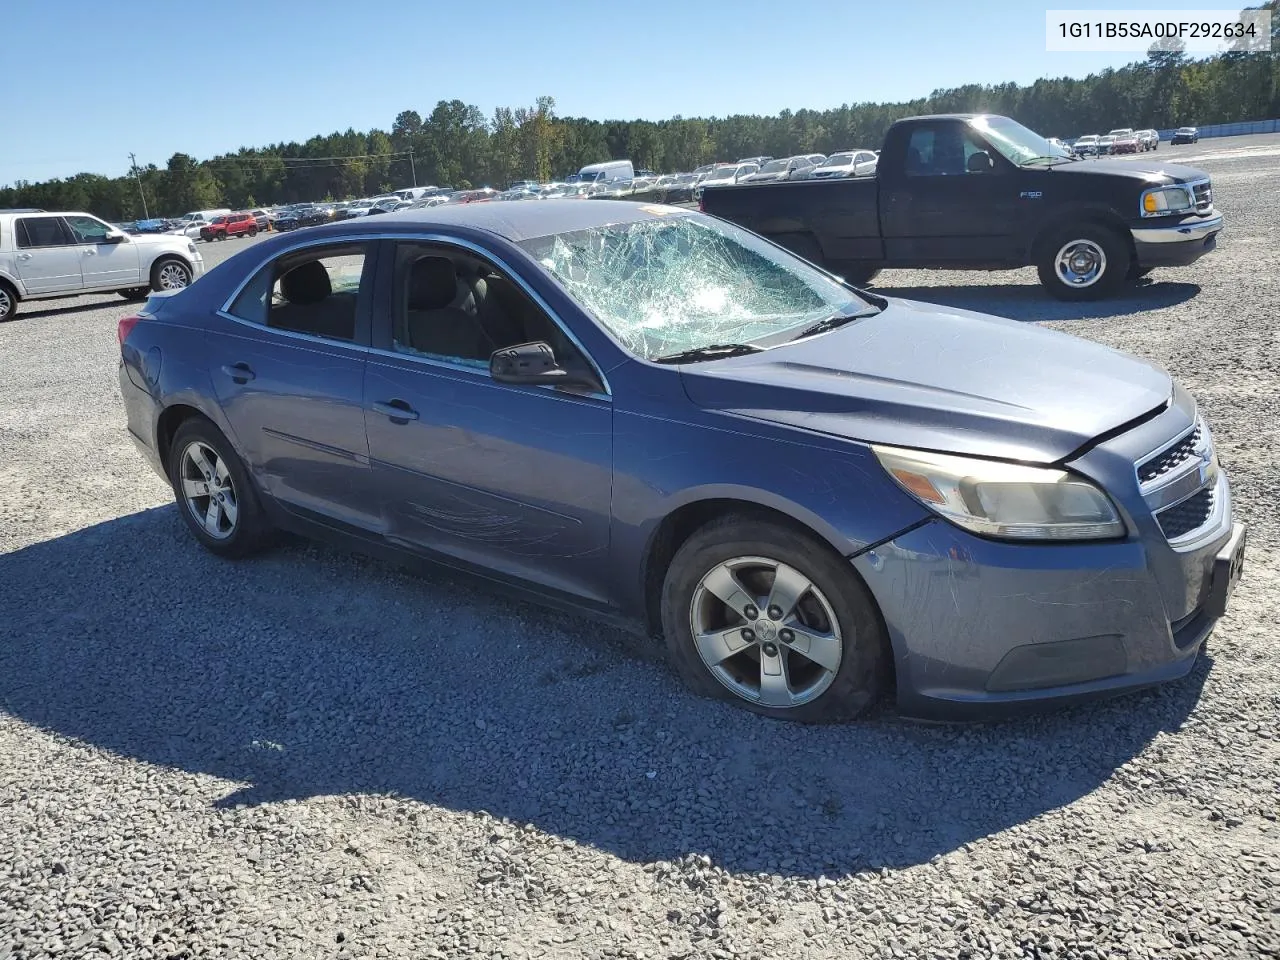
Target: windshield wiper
{"type": "Point", "coordinates": [714, 351]}
{"type": "Point", "coordinates": [830, 323]}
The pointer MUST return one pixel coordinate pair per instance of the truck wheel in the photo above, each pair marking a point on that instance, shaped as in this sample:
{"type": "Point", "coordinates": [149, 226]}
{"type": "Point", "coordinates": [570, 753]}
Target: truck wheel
{"type": "Point", "coordinates": [1084, 262]}
{"type": "Point", "coordinates": [8, 302]}
{"type": "Point", "coordinates": [860, 276]}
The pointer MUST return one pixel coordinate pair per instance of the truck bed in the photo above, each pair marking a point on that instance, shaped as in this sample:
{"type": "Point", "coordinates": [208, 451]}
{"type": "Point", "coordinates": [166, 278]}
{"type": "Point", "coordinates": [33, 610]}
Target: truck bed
{"type": "Point", "coordinates": [794, 213]}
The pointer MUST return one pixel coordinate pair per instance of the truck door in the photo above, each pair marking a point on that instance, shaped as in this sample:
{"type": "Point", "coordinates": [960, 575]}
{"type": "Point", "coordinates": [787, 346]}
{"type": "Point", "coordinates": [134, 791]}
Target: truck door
{"type": "Point", "coordinates": [943, 202]}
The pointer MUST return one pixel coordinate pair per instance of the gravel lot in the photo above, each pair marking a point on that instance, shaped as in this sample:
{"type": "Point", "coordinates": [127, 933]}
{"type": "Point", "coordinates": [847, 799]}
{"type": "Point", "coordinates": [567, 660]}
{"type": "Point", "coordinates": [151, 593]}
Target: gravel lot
{"type": "Point", "coordinates": [314, 754]}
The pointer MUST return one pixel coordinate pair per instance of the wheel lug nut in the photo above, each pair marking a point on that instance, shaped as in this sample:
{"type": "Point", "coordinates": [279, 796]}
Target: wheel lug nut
{"type": "Point", "coordinates": [775, 612]}
{"type": "Point", "coordinates": [751, 612]}
{"type": "Point", "coordinates": [769, 649]}
{"type": "Point", "coordinates": [786, 636]}
{"type": "Point", "coordinates": [748, 634]}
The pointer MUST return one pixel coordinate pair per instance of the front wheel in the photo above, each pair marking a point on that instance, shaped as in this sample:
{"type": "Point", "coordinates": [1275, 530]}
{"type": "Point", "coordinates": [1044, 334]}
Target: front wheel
{"type": "Point", "coordinates": [1083, 262]}
{"type": "Point", "coordinates": [253, 231]}
{"type": "Point", "coordinates": [774, 621]}
{"type": "Point", "coordinates": [213, 491]}
{"type": "Point", "coordinates": [170, 274]}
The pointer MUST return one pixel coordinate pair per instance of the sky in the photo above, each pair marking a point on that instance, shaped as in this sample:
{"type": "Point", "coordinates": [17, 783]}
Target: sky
{"type": "Point", "coordinates": [102, 80]}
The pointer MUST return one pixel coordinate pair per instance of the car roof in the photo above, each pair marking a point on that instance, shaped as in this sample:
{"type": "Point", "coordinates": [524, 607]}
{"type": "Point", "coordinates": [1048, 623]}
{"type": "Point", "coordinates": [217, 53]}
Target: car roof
{"type": "Point", "coordinates": [513, 221]}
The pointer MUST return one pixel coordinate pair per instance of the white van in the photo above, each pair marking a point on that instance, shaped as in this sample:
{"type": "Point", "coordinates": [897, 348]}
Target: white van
{"type": "Point", "coordinates": [607, 172]}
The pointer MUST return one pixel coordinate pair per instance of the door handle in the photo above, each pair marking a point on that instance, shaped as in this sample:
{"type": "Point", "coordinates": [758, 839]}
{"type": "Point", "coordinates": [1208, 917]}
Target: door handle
{"type": "Point", "coordinates": [397, 410]}
{"type": "Point", "coordinates": [239, 372]}
{"type": "Point", "coordinates": [91, 253]}
{"type": "Point", "coordinates": [24, 256]}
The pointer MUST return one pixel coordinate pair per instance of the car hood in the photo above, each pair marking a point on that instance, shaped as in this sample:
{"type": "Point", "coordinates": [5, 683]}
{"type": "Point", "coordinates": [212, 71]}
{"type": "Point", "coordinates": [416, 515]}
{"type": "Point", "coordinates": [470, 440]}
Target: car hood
{"type": "Point", "coordinates": [934, 378]}
{"type": "Point", "coordinates": [1147, 171]}
{"type": "Point", "coordinates": [156, 238]}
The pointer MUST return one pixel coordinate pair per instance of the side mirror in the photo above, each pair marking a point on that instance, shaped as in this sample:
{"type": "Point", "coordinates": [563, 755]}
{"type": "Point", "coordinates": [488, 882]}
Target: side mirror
{"type": "Point", "coordinates": [113, 236]}
{"type": "Point", "coordinates": [530, 363]}
{"type": "Point", "coordinates": [980, 162]}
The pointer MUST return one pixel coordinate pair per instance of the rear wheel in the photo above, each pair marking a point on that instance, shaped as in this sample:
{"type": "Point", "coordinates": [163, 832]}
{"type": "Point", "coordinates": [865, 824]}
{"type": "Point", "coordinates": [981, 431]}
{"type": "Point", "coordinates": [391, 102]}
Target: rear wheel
{"type": "Point", "coordinates": [8, 302]}
{"type": "Point", "coordinates": [773, 620]}
{"type": "Point", "coordinates": [1087, 261]}
{"type": "Point", "coordinates": [214, 494]}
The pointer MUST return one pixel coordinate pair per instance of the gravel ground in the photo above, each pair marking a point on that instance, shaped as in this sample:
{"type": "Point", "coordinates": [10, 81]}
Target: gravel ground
{"type": "Point", "coordinates": [313, 754]}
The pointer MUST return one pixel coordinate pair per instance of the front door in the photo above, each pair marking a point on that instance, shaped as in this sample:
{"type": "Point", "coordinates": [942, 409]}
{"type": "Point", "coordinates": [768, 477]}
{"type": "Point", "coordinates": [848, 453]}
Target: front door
{"type": "Point", "coordinates": [111, 265]}
{"type": "Point", "coordinates": [289, 375]}
{"type": "Point", "coordinates": [945, 206]}
{"type": "Point", "coordinates": [515, 479]}
{"type": "Point", "coordinates": [48, 257]}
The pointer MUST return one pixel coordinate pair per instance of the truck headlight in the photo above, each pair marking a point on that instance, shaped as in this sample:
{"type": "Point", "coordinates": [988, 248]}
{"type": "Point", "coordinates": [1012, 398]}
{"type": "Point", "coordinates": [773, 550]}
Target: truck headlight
{"type": "Point", "coordinates": [1004, 500]}
{"type": "Point", "coordinates": [1162, 201]}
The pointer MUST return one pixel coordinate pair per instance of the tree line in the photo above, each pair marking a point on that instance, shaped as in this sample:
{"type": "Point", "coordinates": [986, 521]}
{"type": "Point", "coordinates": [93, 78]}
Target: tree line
{"type": "Point", "coordinates": [457, 145]}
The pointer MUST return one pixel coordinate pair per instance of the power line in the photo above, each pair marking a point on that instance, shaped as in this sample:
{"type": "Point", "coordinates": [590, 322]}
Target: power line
{"type": "Point", "coordinates": [134, 160]}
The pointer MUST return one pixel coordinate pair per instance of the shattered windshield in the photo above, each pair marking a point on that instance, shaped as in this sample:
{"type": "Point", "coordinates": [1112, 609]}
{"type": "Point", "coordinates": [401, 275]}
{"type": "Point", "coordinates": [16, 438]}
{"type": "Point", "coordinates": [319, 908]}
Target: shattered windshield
{"type": "Point", "coordinates": [684, 281]}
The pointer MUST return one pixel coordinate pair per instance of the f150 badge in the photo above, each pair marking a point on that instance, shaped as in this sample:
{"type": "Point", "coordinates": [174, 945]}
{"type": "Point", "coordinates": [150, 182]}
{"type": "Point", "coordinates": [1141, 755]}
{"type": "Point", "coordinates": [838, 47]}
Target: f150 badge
{"type": "Point", "coordinates": [1031, 194]}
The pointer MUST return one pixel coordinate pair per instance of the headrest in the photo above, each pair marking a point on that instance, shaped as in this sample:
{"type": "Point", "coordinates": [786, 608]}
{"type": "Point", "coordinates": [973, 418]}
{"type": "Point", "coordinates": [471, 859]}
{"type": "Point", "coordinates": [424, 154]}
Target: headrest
{"type": "Point", "coordinates": [433, 283]}
{"type": "Point", "coordinates": [306, 283]}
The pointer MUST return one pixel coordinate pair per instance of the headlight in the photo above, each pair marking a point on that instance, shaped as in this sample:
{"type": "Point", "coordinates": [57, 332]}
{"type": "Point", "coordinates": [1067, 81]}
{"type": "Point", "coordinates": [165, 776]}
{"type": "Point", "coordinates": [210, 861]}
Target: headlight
{"type": "Point", "coordinates": [192, 247]}
{"type": "Point", "coordinates": [1162, 201]}
{"type": "Point", "coordinates": [1004, 499]}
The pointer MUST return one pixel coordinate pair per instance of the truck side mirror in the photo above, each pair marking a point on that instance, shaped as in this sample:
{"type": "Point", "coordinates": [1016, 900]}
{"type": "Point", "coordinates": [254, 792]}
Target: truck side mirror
{"type": "Point", "coordinates": [979, 162]}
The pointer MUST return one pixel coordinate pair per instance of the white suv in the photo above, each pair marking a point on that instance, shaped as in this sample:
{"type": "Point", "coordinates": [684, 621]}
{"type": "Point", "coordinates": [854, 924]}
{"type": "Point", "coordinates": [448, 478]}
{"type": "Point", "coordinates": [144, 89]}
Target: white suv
{"type": "Point", "coordinates": [46, 255]}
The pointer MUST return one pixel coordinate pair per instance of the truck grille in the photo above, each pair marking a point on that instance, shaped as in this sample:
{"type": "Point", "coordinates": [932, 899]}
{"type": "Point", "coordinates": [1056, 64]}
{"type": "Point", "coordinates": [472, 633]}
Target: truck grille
{"type": "Point", "coordinates": [1191, 514]}
{"type": "Point", "coordinates": [1204, 195]}
{"type": "Point", "coordinates": [1171, 457]}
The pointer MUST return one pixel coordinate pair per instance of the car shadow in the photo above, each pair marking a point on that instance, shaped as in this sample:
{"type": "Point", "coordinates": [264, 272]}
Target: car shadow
{"type": "Point", "coordinates": [1030, 302]}
{"type": "Point", "coordinates": [308, 671]}
{"type": "Point", "coordinates": [26, 313]}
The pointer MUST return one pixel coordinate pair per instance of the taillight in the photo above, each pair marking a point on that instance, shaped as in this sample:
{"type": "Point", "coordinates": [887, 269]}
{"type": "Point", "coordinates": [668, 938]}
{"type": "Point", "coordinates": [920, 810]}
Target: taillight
{"type": "Point", "coordinates": [125, 325]}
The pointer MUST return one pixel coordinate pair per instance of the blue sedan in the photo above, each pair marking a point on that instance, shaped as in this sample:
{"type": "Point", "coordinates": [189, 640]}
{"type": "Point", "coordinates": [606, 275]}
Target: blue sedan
{"type": "Point", "coordinates": [813, 494]}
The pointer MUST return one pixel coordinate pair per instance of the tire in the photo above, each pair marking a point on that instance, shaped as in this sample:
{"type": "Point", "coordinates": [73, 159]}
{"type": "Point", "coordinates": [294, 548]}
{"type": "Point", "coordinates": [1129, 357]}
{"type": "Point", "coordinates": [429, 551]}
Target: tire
{"type": "Point", "coordinates": [8, 302]}
{"type": "Point", "coordinates": [237, 526]}
{"type": "Point", "coordinates": [1098, 246]}
{"type": "Point", "coordinates": [835, 606]}
{"type": "Point", "coordinates": [165, 274]}
{"type": "Point", "coordinates": [253, 231]}
{"type": "Point", "coordinates": [136, 293]}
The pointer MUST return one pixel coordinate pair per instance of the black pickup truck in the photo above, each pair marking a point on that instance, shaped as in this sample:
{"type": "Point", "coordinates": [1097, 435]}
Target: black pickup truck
{"type": "Point", "coordinates": [980, 192]}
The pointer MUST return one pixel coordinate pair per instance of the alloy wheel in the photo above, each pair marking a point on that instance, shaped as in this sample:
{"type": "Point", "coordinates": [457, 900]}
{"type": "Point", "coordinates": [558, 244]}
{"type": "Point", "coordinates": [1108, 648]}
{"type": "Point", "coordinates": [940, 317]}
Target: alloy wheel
{"type": "Point", "coordinates": [766, 632]}
{"type": "Point", "coordinates": [6, 303]}
{"type": "Point", "coordinates": [208, 490]}
{"type": "Point", "coordinates": [173, 276]}
{"type": "Point", "coordinates": [1080, 263]}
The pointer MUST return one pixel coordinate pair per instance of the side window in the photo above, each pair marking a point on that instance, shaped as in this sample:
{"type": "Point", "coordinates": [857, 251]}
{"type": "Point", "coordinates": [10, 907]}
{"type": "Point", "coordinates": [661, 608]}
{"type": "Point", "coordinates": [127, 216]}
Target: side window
{"type": "Point", "coordinates": [87, 229]}
{"type": "Point", "coordinates": [942, 151]}
{"type": "Point", "coordinates": [449, 305]}
{"type": "Point", "coordinates": [313, 293]}
{"type": "Point", "coordinates": [42, 232]}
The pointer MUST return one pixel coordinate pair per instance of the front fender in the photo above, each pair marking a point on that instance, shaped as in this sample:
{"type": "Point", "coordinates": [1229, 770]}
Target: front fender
{"type": "Point", "coordinates": [1067, 214]}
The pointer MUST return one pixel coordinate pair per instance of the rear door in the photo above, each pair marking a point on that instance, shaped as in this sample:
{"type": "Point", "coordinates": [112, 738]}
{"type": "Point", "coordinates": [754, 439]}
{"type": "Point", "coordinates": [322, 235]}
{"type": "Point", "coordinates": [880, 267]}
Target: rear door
{"type": "Point", "coordinates": [287, 360]}
{"type": "Point", "coordinates": [48, 257]}
{"type": "Point", "coordinates": [940, 209]}
{"type": "Point", "coordinates": [103, 264]}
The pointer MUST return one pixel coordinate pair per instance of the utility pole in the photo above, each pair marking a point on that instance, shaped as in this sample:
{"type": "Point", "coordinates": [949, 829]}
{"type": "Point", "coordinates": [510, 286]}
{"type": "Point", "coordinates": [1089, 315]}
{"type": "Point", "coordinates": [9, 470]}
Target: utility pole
{"type": "Point", "coordinates": [412, 169]}
{"type": "Point", "coordinates": [134, 161]}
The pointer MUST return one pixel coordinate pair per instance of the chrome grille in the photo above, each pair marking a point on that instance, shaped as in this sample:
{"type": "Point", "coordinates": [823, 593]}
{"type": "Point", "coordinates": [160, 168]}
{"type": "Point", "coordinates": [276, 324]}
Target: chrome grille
{"type": "Point", "coordinates": [1204, 195]}
{"type": "Point", "coordinates": [1171, 457]}
{"type": "Point", "coordinates": [1191, 514]}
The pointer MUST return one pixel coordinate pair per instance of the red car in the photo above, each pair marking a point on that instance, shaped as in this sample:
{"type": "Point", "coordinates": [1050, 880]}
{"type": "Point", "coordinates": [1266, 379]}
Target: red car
{"type": "Point", "coordinates": [232, 225]}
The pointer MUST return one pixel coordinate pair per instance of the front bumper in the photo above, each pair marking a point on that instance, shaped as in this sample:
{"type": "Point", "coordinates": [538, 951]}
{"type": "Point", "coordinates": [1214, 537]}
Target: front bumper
{"type": "Point", "coordinates": [1176, 243]}
{"type": "Point", "coordinates": [983, 628]}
